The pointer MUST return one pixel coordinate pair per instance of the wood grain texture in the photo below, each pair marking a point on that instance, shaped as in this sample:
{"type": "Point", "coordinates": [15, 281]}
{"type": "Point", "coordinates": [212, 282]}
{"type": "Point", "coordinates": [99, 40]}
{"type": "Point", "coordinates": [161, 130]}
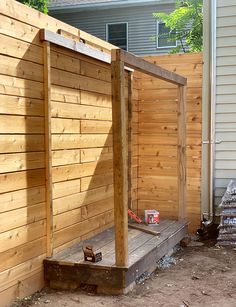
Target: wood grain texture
{"type": "Point", "coordinates": [119, 119]}
{"type": "Point", "coordinates": [181, 152]}
{"type": "Point", "coordinates": [157, 137]}
{"type": "Point", "coordinates": [82, 154]}
{"type": "Point", "coordinates": [25, 132]}
{"type": "Point", "coordinates": [48, 145]}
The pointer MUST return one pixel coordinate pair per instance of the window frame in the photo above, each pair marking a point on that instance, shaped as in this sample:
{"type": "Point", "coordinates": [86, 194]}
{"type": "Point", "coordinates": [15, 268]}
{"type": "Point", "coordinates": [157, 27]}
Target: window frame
{"type": "Point", "coordinates": [117, 23]}
{"type": "Point", "coordinates": [163, 47]}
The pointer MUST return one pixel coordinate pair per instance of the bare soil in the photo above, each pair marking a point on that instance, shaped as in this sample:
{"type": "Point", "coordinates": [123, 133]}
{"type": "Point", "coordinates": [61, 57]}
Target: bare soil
{"type": "Point", "coordinates": [202, 276]}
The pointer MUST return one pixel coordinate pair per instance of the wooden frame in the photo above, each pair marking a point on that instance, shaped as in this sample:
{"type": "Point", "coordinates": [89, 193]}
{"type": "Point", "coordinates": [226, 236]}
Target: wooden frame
{"type": "Point", "coordinates": [121, 114]}
{"type": "Point", "coordinates": [48, 146]}
{"type": "Point", "coordinates": [120, 58]}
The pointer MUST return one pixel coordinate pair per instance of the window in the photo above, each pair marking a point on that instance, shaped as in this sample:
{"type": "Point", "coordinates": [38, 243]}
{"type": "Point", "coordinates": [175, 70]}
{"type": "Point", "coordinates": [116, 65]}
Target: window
{"type": "Point", "coordinates": [164, 39]}
{"type": "Point", "coordinates": [117, 34]}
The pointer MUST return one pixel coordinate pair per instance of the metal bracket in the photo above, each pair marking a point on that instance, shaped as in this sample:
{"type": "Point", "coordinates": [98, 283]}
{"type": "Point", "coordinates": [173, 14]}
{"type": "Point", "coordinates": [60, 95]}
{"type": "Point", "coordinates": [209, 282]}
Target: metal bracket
{"type": "Point", "coordinates": [212, 142]}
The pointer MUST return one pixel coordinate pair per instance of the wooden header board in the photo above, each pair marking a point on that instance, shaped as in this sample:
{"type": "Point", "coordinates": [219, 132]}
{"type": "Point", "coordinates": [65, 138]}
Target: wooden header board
{"type": "Point", "coordinates": [120, 58]}
{"type": "Point", "coordinates": [146, 67]}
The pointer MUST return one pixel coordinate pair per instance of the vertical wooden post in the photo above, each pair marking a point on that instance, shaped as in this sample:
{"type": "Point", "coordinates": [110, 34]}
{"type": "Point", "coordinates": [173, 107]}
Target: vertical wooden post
{"type": "Point", "coordinates": [181, 151]}
{"type": "Point", "coordinates": [119, 118]}
{"type": "Point", "coordinates": [48, 146]}
{"type": "Point", "coordinates": [130, 134]}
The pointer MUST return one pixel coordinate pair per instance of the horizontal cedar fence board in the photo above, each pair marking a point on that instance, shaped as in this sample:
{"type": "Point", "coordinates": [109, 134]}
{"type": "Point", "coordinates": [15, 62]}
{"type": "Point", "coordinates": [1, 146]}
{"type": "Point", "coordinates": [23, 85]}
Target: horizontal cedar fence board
{"type": "Point", "coordinates": [151, 84]}
{"type": "Point", "coordinates": [157, 138]}
{"type": "Point", "coordinates": [21, 143]}
{"type": "Point", "coordinates": [18, 86]}
{"type": "Point", "coordinates": [22, 235]}
{"type": "Point", "coordinates": [20, 270]}
{"type": "Point", "coordinates": [22, 198]}
{"type": "Point", "coordinates": [90, 126]}
{"type": "Point", "coordinates": [69, 172]}
{"type": "Point", "coordinates": [23, 216]}
{"type": "Point", "coordinates": [64, 125]}
{"type": "Point", "coordinates": [66, 234]}
{"type": "Point", "coordinates": [65, 188]}
{"type": "Point", "coordinates": [77, 200]}
{"type": "Point", "coordinates": [64, 157]}
{"type": "Point", "coordinates": [95, 154]}
{"type": "Point", "coordinates": [22, 253]}
{"type": "Point", "coordinates": [21, 124]}
{"type": "Point", "coordinates": [21, 180]}
{"type": "Point", "coordinates": [96, 181]}
{"type": "Point", "coordinates": [21, 161]}
{"type": "Point", "coordinates": [67, 141]}
{"type": "Point", "coordinates": [74, 111]}
{"type": "Point", "coordinates": [21, 68]}
{"type": "Point", "coordinates": [30, 283]}
{"type": "Point", "coordinates": [11, 46]}
{"type": "Point", "coordinates": [15, 105]}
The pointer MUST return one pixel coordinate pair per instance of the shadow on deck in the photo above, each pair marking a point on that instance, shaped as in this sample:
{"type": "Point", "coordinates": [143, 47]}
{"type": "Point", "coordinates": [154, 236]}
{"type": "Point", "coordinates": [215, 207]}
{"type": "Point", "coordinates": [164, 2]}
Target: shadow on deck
{"type": "Point", "coordinates": [68, 270]}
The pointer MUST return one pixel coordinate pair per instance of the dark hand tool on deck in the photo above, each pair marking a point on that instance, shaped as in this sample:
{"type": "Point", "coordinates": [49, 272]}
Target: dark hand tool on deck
{"type": "Point", "coordinates": [89, 254]}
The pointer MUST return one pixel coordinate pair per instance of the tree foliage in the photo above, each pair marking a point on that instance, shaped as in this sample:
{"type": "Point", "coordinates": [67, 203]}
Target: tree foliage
{"type": "Point", "coordinates": [185, 24]}
{"type": "Point", "coordinates": [40, 5]}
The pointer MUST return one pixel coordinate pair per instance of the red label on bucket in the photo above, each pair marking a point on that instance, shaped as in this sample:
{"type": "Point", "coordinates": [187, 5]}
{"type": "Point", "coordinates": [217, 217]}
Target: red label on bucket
{"type": "Point", "coordinates": [152, 216]}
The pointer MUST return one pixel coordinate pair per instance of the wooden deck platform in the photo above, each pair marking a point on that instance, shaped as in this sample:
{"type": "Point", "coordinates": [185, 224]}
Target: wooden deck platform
{"type": "Point", "coordinates": [67, 269]}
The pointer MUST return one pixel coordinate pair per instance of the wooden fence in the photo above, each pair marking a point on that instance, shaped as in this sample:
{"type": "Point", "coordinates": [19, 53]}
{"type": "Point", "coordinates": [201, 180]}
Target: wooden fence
{"type": "Point", "coordinates": [80, 124]}
{"type": "Point", "coordinates": [157, 138]}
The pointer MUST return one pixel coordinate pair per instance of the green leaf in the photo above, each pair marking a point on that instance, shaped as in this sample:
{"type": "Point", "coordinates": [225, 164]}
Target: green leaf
{"type": "Point", "coordinates": [187, 22]}
{"type": "Point", "coordinates": [40, 5]}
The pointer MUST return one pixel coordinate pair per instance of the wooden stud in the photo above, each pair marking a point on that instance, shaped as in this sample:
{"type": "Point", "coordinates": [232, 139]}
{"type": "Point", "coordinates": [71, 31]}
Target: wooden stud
{"type": "Point", "coordinates": [48, 146]}
{"type": "Point", "coordinates": [181, 151]}
{"type": "Point", "coordinates": [120, 159]}
{"type": "Point", "coordinates": [129, 113]}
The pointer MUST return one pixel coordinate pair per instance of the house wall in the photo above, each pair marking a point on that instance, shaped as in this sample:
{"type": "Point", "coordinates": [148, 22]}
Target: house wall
{"type": "Point", "coordinates": [142, 26]}
{"type": "Point", "coordinates": [225, 117]}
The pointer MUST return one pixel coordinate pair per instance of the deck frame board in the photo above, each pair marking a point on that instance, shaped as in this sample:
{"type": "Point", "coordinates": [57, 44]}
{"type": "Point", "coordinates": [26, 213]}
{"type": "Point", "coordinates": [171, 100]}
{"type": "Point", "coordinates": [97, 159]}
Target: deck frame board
{"type": "Point", "coordinates": [144, 252]}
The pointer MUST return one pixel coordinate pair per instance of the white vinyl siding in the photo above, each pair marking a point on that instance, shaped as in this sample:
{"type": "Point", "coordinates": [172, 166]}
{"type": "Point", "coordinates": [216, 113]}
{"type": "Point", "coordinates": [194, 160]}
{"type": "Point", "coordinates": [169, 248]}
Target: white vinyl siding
{"type": "Point", "coordinates": [142, 26]}
{"type": "Point", "coordinates": [225, 152]}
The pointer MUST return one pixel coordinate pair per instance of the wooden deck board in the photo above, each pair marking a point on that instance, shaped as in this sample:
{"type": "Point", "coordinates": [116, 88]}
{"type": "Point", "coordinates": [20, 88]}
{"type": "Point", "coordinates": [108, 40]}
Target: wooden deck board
{"type": "Point", "coordinates": [106, 249]}
{"type": "Point", "coordinates": [97, 241]}
{"type": "Point", "coordinates": [133, 244]}
{"type": "Point", "coordinates": [68, 267]}
{"type": "Point", "coordinates": [155, 242]}
{"type": "Point", "coordinates": [104, 242]}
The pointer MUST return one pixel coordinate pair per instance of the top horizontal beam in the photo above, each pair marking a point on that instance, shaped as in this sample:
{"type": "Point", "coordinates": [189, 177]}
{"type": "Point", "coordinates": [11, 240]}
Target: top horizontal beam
{"type": "Point", "coordinates": [129, 59]}
{"type": "Point", "coordinates": [69, 43]}
{"type": "Point", "coordinates": [146, 67]}
{"type": "Point", "coordinates": [57, 39]}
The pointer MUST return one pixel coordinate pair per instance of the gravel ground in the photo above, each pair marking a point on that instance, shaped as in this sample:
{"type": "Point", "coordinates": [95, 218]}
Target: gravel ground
{"type": "Point", "coordinates": [200, 275]}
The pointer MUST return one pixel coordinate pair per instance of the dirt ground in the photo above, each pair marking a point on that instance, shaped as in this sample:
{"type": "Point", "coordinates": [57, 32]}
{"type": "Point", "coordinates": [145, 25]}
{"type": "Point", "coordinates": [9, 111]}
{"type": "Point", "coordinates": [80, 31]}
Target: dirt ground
{"type": "Point", "coordinates": [202, 276]}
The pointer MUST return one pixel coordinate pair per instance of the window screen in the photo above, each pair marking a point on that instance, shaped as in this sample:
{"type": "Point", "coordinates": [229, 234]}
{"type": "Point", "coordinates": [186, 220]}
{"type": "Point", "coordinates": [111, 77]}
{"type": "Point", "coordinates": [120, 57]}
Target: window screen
{"type": "Point", "coordinates": [117, 35]}
{"type": "Point", "coordinates": [164, 38]}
